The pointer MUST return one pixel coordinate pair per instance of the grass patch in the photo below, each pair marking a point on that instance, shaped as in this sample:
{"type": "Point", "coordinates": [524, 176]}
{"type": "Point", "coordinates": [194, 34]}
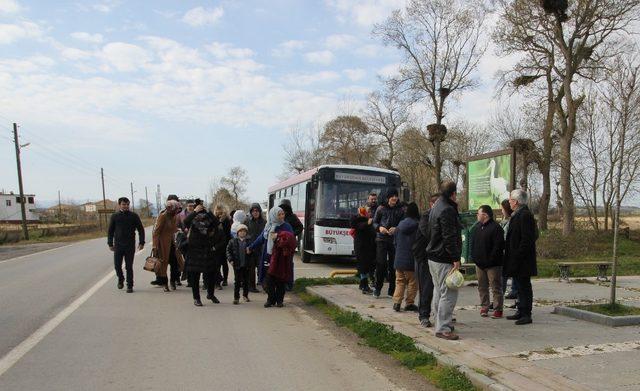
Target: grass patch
{"type": "Point", "coordinates": [384, 338]}
{"type": "Point", "coordinates": [610, 310]}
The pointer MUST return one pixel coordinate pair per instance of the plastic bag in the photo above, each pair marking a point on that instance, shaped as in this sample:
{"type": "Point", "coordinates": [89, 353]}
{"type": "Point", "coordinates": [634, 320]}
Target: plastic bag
{"type": "Point", "coordinates": [454, 279]}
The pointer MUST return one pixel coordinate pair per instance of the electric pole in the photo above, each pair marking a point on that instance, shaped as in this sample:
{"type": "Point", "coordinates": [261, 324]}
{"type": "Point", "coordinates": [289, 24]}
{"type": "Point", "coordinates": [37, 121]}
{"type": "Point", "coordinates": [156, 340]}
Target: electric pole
{"type": "Point", "coordinates": [158, 200]}
{"type": "Point", "coordinates": [133, 203]}
{"type": "Point", "coordinates": [25, 230]}
{"type": "Point", "coordinates": [104, 197]}
{"type": "Point", "coordinates": [146, 197]}
{"type": "Point", "coordinates": [59, 209]}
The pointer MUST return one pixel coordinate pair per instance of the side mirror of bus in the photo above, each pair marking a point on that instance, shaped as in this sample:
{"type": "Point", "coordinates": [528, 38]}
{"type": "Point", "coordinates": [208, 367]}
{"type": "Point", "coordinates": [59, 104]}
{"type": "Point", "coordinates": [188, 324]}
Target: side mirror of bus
{"type": "Point", "coordinates": [406, 195]}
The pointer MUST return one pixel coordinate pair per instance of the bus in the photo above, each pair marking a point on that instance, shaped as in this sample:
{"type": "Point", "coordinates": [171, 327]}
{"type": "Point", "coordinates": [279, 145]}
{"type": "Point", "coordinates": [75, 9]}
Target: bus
{"type": "Point", "coordinates": [325, 198]}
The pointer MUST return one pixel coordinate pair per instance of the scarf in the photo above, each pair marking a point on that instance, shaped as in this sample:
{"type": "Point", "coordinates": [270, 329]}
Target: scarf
{"type": "Point", "coordinates": [271, 226]}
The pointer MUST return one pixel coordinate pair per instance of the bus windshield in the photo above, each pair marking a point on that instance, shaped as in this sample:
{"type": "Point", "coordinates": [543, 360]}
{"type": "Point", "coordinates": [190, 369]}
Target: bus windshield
{"type": "Point", "coordinates": [341, 200]}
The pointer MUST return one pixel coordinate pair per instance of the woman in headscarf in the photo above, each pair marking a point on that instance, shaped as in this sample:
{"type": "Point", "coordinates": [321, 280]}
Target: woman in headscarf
{"type": "Point", "coordinates": [274, 225]}
{"type": "Point", "coordinates": [163, 243]}
{"type": "Point", "coordinates": [280, 268]}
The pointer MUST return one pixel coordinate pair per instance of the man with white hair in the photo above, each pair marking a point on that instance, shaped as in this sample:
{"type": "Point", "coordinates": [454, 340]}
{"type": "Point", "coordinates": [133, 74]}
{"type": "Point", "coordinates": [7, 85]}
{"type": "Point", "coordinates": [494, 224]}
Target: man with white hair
{"type": "Point", "coordinates": [520, 253]}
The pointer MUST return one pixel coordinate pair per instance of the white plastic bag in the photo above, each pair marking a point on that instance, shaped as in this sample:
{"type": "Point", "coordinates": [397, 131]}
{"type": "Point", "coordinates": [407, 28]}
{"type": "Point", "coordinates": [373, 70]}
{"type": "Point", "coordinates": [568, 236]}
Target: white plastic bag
{"type": "Point", "coordinates": [454, 279]}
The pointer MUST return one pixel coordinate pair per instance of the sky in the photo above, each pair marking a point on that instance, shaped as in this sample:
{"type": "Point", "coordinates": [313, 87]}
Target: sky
{"type": "Point", "coordinates": [176, 93]}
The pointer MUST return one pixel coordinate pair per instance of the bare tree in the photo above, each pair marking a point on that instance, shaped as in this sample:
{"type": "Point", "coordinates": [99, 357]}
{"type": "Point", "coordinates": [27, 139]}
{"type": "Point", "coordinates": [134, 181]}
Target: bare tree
{"type": "Point", "coordinates": [236, 182]}
{"type": "Point", "coordinates": [415, 163]}
{"type": "Point", "coordinates": [347, 140]}
{"type": "Point", "coordinates": [441, 42]}
{"type": "Point", "coordinates": [387, 114]}
{"type": "Point", "coordinates": [302, 151]}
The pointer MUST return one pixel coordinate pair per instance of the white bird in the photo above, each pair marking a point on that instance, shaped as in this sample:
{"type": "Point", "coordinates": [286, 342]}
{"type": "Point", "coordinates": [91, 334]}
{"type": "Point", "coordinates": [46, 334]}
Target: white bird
{"type": "Point", "coordinates": [498, 186]}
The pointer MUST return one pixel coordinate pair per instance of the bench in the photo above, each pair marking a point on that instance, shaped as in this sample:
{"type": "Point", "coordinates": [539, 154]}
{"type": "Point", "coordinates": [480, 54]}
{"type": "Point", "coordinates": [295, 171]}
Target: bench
{"type": "Point", "coordinates": [603, 269]}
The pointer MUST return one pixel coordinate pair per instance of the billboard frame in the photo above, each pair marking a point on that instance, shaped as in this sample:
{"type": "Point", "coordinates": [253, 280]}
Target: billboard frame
{"type": "Point", "coordinates": [502, 152]}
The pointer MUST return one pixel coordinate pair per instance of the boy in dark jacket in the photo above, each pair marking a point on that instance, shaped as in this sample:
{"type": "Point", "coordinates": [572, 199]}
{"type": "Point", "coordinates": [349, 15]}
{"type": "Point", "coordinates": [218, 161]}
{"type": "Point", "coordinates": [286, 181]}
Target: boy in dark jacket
{"type": "Point", "coordinates": [487, 252]}
{"type": "Point", "coordinates": [237, 256]}
{"type": "Point", "coordinates": [255, 223]}
{"type": "Point", "coordinates": [405, 235]}
{"type": "Point", "coordinates": [385, 221]}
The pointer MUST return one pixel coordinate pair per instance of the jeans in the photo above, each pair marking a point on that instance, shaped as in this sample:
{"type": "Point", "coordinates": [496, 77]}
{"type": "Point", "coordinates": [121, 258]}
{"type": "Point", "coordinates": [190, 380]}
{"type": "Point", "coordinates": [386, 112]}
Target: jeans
{"type": "Point", "coordinates": [525, 295]}
{"type": "Point", "coordinates": [425, 288]}
{"type": "Point", "coordinates": [127, 254]}
{"type": "Point", "coordinates": [490, 278]}
{"type": "Point", "coordinates": [194, 281]}
{"type": "Point", "coordinates": [241, 278]}
{"type": "Point", "coordinates": [405, 280]}
{"type": "Point", "coordinates": [444, 299]}
{"type": "Point", "coordinates": [385, 255]}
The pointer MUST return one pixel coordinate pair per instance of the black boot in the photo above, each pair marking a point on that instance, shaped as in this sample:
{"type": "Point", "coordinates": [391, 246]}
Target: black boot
{"type": "Point", "coordinates": [165, 284]}
{"type": "Point", "coordinates": [365, 287]}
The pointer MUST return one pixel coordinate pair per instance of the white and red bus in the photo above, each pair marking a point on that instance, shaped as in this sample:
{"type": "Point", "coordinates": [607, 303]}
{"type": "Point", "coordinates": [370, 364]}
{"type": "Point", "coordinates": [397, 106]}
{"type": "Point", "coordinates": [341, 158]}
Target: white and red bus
{"type": "Point", "coordinates": [325, 198]}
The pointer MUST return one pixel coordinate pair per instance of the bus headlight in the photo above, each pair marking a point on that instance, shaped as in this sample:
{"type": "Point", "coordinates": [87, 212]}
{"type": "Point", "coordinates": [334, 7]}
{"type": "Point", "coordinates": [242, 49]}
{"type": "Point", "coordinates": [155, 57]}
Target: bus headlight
{"type": "Point", "coordinates": [329, 240]}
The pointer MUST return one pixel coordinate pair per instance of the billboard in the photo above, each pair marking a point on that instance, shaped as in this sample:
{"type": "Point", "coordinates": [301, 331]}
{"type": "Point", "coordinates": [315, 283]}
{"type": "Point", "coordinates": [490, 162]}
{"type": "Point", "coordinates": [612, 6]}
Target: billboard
{"type": "Point", "coordinates": [490, 178]}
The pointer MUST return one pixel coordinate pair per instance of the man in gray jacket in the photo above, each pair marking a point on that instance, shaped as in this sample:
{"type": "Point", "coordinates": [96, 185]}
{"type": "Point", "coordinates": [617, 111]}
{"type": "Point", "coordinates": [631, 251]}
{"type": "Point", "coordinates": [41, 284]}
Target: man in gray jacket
{"type": "Point", "coordinates": [444, 252]}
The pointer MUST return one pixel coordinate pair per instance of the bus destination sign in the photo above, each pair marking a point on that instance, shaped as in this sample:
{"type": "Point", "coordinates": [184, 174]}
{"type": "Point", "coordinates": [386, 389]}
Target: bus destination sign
{"type": "Point", "coordinates": [350, 177]}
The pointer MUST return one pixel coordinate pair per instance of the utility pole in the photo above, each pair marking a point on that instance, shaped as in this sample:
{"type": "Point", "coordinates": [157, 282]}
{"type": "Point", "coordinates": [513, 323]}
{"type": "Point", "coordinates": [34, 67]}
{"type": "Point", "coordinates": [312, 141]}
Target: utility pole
{"type": "Point", "coordinates": [104, 197]}
{"type": "Point", "coordinates": [25, 230]}
{"type": "Point", "coordinates": [59, 208]}
{"type": "Point", "coordinates": [158, 200]}
{"type": "Point", "coordinates": [146, 197]}
{"type": "Point", "coordinates": [133, 202]}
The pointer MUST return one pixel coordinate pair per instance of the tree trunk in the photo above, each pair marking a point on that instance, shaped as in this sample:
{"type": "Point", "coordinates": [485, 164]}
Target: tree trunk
{"type": "Point", "coordinates": [568, 205]}
{"type": "Point", "coordinates": [547, 149]}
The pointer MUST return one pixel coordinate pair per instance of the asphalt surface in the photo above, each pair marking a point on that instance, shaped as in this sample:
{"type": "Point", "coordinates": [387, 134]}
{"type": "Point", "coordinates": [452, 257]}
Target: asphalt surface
{"type": "Point", "coordinates": [151, 340]}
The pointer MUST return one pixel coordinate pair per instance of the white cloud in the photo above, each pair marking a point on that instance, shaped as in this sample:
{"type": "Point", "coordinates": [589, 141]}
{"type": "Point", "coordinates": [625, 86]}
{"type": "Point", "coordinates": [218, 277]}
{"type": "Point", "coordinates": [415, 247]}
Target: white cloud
{"type": "Point", "coordinates": [355, 74]}
{"type": "Point", "coordinates": [201, 16]}
{"type": "Point", "coordinates": [28, 65]}
{"type": "Point", "coordinates": [364, 12]}
{"type": "Point", "coordinates": [10, 33]}
{"type": "Point", "coordinates": [125, 57]}
{"type": "Point", "coordinates": [75, 54]}
{"type": "Point", "coordinates": [87, 37]}
{"type": "Point", "coordinates": [323, 57]}
{"type": "Point", "coordinates": [370, 51]}
{"type": "Point", "coordinates": [106, 6]}
{"type": "Point", "coordinates": [390, 70]}
{"type": "Point", "coordinates": [287, 48]}
{"type": "Point", "coordinates": [340, 41]}
{"type": "Point", "coordinates": [311, 78]}
{"type": "Point", "coordinates": [9, 7]}
{"type": "Point", "coordinates": [226, 50]}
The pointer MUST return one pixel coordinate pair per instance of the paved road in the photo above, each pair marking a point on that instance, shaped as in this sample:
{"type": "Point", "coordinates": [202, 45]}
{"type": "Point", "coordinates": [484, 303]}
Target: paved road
{"type": "Point", "coordinates": [152, 340]}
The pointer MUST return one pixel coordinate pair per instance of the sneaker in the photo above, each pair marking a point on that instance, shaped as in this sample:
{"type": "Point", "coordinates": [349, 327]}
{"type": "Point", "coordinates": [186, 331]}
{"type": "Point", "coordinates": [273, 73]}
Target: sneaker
{"type": "Point", "coordinates": [120, 284]}
{"type": "Point", "coordinates": [156, 282]}
{"type": "Point", "coordinates": [524, 320]}
{"type": "Point", "coordinates": [267, 305]}
{"type": "Point", "coordinates": [376, 293]}
{"type": "Point", "coordinates": [129, 290]}
{"type": "Point", "coordinates": [411, 307]}
{"type": "Point", "coordinates": [425, 323]}
{"type": "Point", "coordinates": [214, 300]}
{"type": "Point", "coordinates": [496, 315]}
{"type": "Point", "coordinates": [197, 303]}
{"type": "Point", "coordinates": [236, 301]}
{"type": "Point", "coordinates": [280, 305]}
{"type": "Point", "coordinates": [448, 336]}
{"type": "Point", "coordinates": [366, 290]}
{"type": "Point", "coordinates": [515, 316]}
{"type": "Point", "coordinates": [484, 312]}
{"type": "Point", "coordinates": [246, 299]}
{"type": "Point", "coordinates": [396, 307]}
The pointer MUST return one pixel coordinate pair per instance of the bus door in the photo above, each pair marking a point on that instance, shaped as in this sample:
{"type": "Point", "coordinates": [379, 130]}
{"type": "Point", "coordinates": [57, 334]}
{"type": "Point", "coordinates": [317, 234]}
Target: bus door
{"type": "Point", "coordinates": [309, 216]}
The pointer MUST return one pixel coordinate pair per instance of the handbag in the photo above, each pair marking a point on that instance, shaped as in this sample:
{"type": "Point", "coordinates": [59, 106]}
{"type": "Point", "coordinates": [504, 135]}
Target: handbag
{"type": "Point", "coordinates": [152, 263]}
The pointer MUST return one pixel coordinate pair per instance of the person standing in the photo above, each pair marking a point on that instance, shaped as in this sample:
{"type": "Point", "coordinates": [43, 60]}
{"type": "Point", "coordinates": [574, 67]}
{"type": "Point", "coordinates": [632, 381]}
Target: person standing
{"type": "Point", "coordinates": [122, 241]}
{"type": "Point", "coordinates": [423, 275]}
{"type": "Point", "coordinates": [170, 197]}
{"type": "Point", "coordinates": [513, 293]}
{"type": "Point", "coordinates": [163, 243]}
{"type": "Point", "coordinates": [284, 248]}
{"type": "Point", "coordinates": [224, 226]}
{"type": "Point", "coordinates": [385, 221]}
{"type": "Point", "coordinates": [293, 220]}
{"type": "Point", "coordinates": [372, 207]}
{"type": "Point", "coordinates": [404, 262]}
{"type": "Point", "coordinates": [444, 251]}
{"type": "Point", "coordinates": [201, 244]}
{"type": "Point", "coordinates": [520, 254]}
{"type": "Point", "coordinates": [364, 241]}
{"type": "Point", "coordinates": [255, 224]}
{"type": "Point", "coordinates": [238, 258]}
{"type": "Point", "coordinates": [487, 253]}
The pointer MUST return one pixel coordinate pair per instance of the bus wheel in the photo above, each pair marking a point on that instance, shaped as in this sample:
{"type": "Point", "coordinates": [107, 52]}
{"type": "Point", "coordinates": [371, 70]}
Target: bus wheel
{"type": "Point", "coordinates": [306, 257]}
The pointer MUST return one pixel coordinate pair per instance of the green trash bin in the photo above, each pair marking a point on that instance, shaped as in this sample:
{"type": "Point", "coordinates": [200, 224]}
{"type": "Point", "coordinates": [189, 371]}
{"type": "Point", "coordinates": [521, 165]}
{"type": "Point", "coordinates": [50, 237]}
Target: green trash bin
{"type": "Point", "coordinates": [469, 221]}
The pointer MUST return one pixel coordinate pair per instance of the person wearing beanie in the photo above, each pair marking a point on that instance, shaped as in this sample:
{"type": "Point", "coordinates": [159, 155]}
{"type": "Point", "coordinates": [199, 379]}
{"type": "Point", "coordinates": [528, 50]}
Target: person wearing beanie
{"type": "Point", "coordinates": [255, 223]}
{"type": "Point", "coordinates": [385, 222]}
{"type": "Point", "coordinates": [238, 258]}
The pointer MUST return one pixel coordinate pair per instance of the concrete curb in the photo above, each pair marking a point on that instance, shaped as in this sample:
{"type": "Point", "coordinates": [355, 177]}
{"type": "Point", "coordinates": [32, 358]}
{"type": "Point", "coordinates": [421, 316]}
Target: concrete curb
{"type": "Point", "coordinates": [477, 379]}
{"type": "Point", "coordinates": [611, 321]}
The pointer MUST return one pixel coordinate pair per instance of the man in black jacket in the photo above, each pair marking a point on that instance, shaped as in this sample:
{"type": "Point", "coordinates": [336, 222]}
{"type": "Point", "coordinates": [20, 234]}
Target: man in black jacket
{"type": "Point", "coordinates": [297, 226]}
{"type": "Point", "coordinates": [425, 282]}
{"type": "Point", "coordinates": [487, 253]}
{"type": "Point", "coordinates": [520, 254]}
{"type": "Point", "coordinates": [444, 251]}
{"type": "Point", "coordinates": [255, 224]}
{"type": "Point", "coordinates": [385, 221]}
{"type": "Point", "coordinates": [122, 241]}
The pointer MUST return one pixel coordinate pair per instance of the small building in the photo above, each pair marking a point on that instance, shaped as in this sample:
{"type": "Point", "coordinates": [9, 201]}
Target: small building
{"type": "Point", "coordinates": [93, 207]}
{"type": "Point", "coordinates": [10, 211]}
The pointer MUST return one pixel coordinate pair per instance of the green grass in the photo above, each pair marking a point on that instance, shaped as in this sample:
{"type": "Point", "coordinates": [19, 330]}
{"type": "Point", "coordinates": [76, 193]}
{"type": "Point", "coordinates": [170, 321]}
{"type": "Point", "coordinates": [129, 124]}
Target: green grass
{"type": "Point", "coordinates": [610, 310]}
{"type": "Point", "coordinates": [384, 338]}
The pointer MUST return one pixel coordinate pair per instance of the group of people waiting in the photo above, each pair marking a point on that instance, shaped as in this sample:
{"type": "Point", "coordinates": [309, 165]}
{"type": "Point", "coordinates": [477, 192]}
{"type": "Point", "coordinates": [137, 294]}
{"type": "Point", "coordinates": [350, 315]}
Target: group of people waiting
{"type": "Point", "coordinates": [416, 252]}
{"type": "Point", "coordinates": [197, 243]}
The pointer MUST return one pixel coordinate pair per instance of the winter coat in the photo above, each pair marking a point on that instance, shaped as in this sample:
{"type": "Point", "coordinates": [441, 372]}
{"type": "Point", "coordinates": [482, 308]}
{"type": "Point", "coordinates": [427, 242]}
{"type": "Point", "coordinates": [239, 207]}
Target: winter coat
{"type": "Point", "coordinates": [445, 232]}
{"type": "Point", "coordinates": [405, 236]}
{"type": "Point", "coordinates": [387, 217]}
{"type": "Point", "coordinates": [224, 226]}
{"type": "Point", "coordinates": [122, 228]}
{"type": "Point", "coordinates": [284, 247]}
{"type": "Point", "coordinates": [292, 219]}
{"type": "Point", "coordinates": [200, 242]}
{"type": "Point", "coordinates": [487, 247]}
{"type": "Point", "coordinates": [236, 252]}
{"type": "Point", "coordinates": [163, 232]}
{"type": "Point", "coordinates": [520, 247]}
{"type": "Point", "coordinates": [364, 244]}
{"type": "Point", "coordinates": [261, 242]}
{"type": "Point", "coordinates": [421, 241]}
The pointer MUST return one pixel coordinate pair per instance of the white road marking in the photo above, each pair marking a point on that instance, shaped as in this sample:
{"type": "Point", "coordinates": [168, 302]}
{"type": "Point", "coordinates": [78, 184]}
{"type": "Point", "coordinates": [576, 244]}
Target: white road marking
{"type": "Point", "coordinates": [11, 358]}
{"type": "Point", "coordinates": [578, 351]}
{"type": "Point", "coordinates": [36, 253]}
